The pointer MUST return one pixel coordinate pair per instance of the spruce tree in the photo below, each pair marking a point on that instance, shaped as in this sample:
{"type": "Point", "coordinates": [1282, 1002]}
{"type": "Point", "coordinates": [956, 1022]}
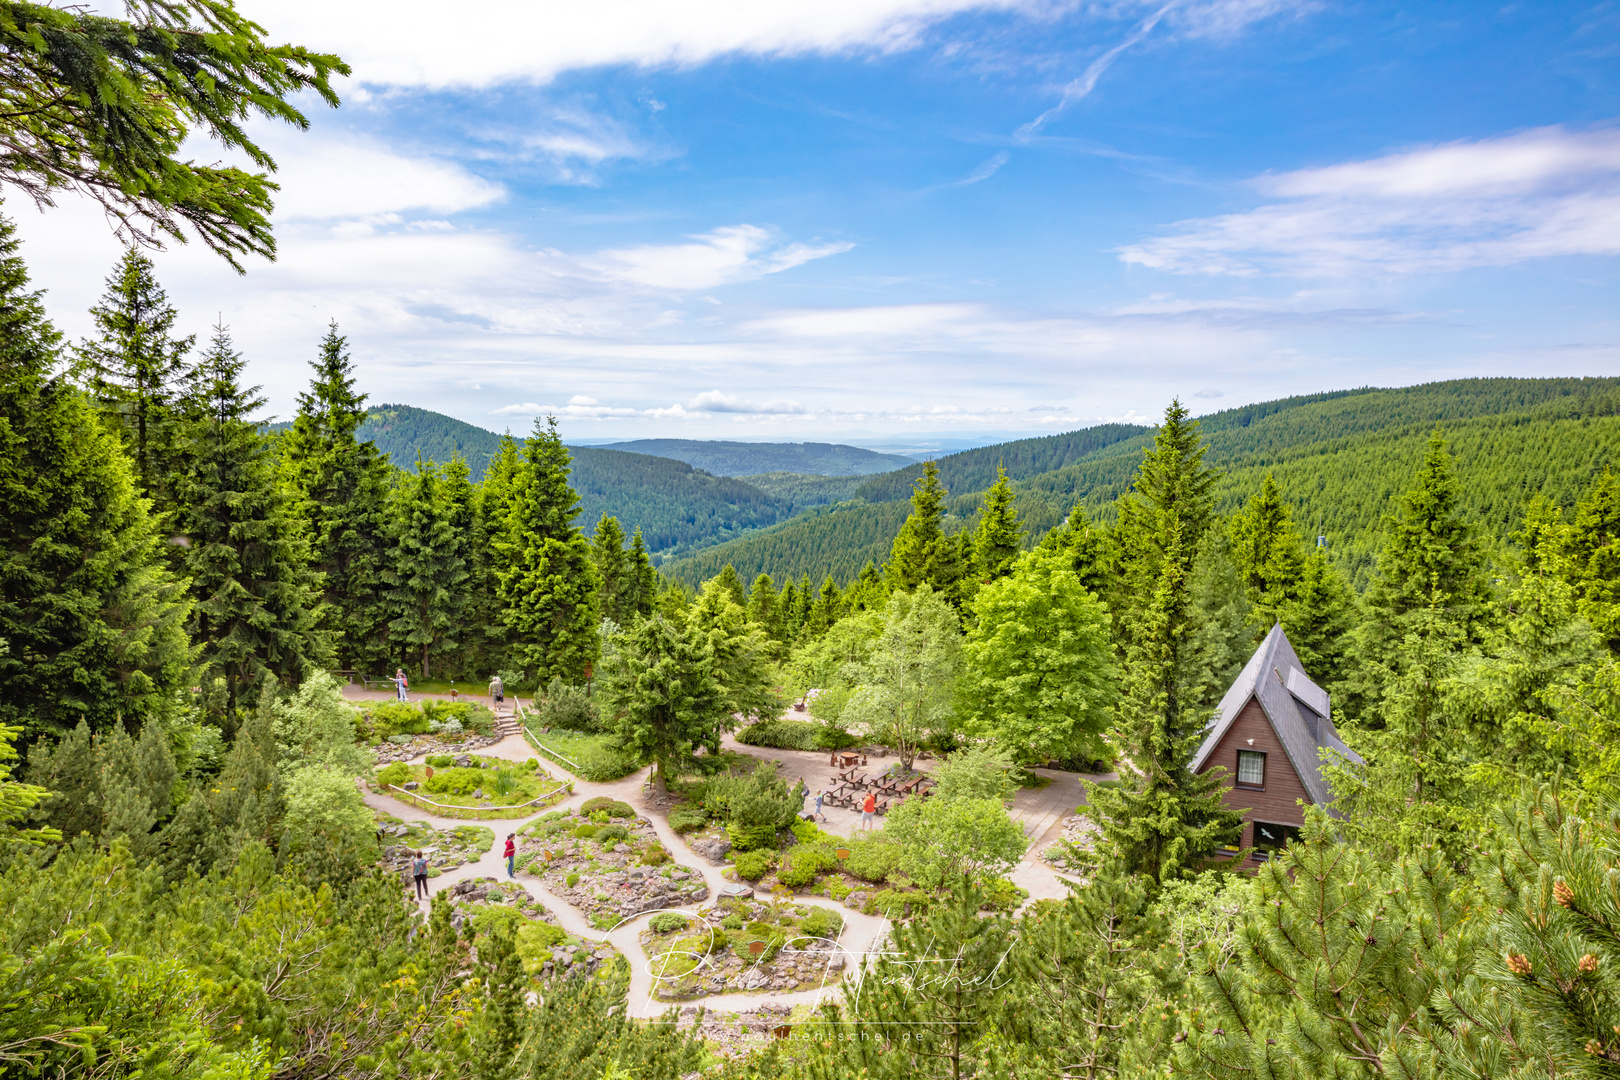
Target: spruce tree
{"type": "Point", "coordinates": [1267, 550]}
{"type": "Point", "coordinates": [93, 620]}
{"type": "Point", "coordinates": [467, 619]}
{"type": "Point", "coordinates": [1431, 566]}
{"type": "Point", "coordinates": [828, 607]}
{"type": "Point", "coordinates": [999, 537]}
{"type": "Point", "coordinates": [1161, 817]}
{"type": "Point", "coordinates": [1589, 557]}
{"type": "Point", "coordinates": [732, 582]}
{"type": "Point", "coordinates": [1320, 619]}
{"type": "Point", "coordinates": [643, 577]}
{"type": "Point", "coordinates": [253, 591]}
{"type": "Point", "coordinates": [136, 370]}
{"type": "Point", "coordinates": [786, 605]}
{"type": "Point", "coordinates": [426, 569]}
{"type": "Point", "coordinates": [492, 507]}
{"type": "Point", "coordinates": [662, 699]}
{"type": "Point", "coordinates": [607, 551]}
{"type": "Point", "coordinates": [916, 545]}
{"type": "Point", "coordinates": [764, 609]}
{"type": "Point", "coordinates": [547, 581]}
{"type": "Point", "coordinates": [342, 484]}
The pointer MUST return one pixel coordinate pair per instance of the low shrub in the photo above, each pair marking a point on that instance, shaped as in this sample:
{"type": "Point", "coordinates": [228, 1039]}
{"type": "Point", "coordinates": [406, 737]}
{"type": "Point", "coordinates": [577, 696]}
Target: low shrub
{"type": "Point", "coordinates": [822, 923]}
{"type": "Point", "coordinates": [586, 831]}
{"type": "Point", "coordinates": [751, 837]}
{"type": "Point", "coordinates": [395, 774]}
{"type": "Point", "coordinates": [667, 922]}
{"type": "Point", "coordinates": [685, 819]}
{"type": "Point", "coordinates": [795, 874]}
{"type": "Point", "coordinates": [804, 862]}
{"type": "Point", "coordinates": [487, 920]}
{"type": "Point", "coordinates": [612, 832]}
{"type": "Point", "coordinates": [808, 832]}
{"type": "Point", "coordinates": [573, 879]}
{"type": "Point", "coordinates": [655, 855]}
{"type": "Point", "coordinates": [894, 904]}
{"type": "Point", "coordinates": [613, 807]}
{"type": "Point", "coordinates": [751, 865]}
{"type": "Point", "coordinates": [795, 735]}
{"type": "Point", "coordinates": [396, 718]}
{"type": "Point", "coordinates": [440, 761]}
{"type": "Point", "coordinates": [872, 860]}
{"type": "Point", "coordinates": [435, 711]}
{"type": "Point", "coordinates": [560, 705]}
{"type": "Point", "coordinates": [732, 922]}
{"type": "Point", "coordinates": [1002, 895]}
{"type": "Point", "coordinates": [457, 781]}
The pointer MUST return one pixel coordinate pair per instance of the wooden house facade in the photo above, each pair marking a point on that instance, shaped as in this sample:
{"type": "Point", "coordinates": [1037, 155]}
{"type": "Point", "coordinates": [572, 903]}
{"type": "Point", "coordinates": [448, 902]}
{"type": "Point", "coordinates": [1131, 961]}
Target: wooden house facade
{"type": "Point", "coordinates": [1267, 737]}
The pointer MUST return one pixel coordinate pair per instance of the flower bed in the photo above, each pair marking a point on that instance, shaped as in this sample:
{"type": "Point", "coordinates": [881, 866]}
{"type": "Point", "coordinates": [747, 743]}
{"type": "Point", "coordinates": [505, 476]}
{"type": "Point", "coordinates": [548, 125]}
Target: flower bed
{"type": "Point", "coordinates": [743, 946]}
{"type": "Point", "coordinates": [609, 867]}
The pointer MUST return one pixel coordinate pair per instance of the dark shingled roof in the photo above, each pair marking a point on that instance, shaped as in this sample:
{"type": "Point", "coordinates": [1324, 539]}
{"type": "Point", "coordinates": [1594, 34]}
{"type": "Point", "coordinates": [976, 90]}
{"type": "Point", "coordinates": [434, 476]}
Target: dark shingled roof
{"type": "Point", "coordinates": [1297, 708]}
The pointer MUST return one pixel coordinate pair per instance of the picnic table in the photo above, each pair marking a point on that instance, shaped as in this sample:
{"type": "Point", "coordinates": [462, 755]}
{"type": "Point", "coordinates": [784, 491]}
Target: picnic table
{"type": "Point", "coordinates": [847, 758]}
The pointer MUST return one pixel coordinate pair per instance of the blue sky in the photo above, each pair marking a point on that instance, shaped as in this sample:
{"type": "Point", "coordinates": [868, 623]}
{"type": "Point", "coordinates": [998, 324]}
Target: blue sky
{"type": "Point", "coordinates": [913, 221]}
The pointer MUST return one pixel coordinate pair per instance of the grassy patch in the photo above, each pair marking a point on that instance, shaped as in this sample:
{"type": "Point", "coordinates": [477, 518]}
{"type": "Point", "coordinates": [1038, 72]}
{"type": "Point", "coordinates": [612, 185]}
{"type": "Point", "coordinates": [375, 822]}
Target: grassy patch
{"type": "Point", "coordinates": [589, 756]}
{"type": "Point", "coordinates": [511, 788]}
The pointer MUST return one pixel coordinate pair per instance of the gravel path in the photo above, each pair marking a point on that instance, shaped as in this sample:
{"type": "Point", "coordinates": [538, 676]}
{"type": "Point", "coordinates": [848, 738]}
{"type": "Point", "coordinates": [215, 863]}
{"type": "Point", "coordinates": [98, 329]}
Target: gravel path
{"type": "Point", "coordinates": [862, 934]}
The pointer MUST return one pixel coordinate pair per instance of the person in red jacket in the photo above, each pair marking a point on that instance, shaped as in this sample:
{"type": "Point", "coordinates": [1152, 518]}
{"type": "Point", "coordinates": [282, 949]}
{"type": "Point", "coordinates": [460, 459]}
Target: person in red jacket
{"type": "Point", "coordinates": [869, 810]}
{"type": "Point", "coordinates": [511, 853]}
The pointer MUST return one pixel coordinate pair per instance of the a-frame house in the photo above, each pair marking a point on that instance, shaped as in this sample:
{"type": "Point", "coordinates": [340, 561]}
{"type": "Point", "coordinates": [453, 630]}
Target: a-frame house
{"type": "Point", "coordinates": [1267, 735]}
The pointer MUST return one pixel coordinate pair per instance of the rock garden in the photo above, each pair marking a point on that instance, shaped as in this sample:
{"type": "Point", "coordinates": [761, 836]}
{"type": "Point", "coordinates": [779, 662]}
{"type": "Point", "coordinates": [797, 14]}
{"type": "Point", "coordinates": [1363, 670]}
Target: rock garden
{"type": "Point", "coordinates": [466, 785]}
{"type": "Point", "coordinates": [445, 849]}
{"type": "Point", "coordinates": [403, 730]}
{"type": "Point", "coordinates": [742, 945]}
{"type": "Point", "coordinates": [607, 862]}
{"type": "Point", "coordinates": [546, 949]}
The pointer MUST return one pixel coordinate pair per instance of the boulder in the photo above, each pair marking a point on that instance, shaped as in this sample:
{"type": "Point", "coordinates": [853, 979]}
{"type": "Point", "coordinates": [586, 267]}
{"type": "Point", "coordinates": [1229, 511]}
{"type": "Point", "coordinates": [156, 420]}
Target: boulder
{"type": "Point", "coordinates": [857, 899]}
{"type": "Point", "coordinates": [713, 849]}
{"type": "Point", "coordinates": [410, 785]}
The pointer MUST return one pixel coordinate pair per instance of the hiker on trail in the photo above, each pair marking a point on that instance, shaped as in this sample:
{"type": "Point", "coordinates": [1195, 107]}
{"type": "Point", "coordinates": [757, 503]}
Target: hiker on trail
{"type": "Point", "coordinates": [419, 871]}
{"type": "Point", "coordinates": [511, 853]}
{"type": "Point", "coordinates": [869, 810]}
{"type": "Point", "coordinates": [497, 690]}
{"type": "Point", "coordinates": [820, 796]}
{"type": "Point", "coordinates": [401, 683]}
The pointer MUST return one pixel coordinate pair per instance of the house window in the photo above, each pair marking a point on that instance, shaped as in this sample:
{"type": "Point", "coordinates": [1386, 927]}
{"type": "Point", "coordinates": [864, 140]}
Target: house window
{"type": "Point", "coordinates": [1251, 769]}
{"type": "Point", "coordinates": [1269, 836]}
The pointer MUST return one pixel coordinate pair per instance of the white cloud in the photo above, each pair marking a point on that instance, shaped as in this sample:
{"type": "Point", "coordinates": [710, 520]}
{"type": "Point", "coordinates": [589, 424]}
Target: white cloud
{"type": "Point", "coordinates": [507, 40]}
{"type": "Point", "coordinates": [722, 257]}
{"type": "Point", "coordinates": [714, 401]}
{"type": "Point", "coordinates": [1493, 202]}
{"type": "Point", "coordinates": [327, 175]}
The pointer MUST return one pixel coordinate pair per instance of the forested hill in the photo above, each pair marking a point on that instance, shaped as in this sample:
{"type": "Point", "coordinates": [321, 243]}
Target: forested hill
{"type": "Point", "coordinates": [406, 434]}
{"type": "Point", "coordinates": [746, 458]}
{"type": "Point", "coordinates": [1338, 457]}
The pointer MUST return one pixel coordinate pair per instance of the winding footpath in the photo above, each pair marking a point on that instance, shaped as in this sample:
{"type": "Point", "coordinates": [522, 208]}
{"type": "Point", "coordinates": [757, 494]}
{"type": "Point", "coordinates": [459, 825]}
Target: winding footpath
{"type": "Point", "coordinates": [862, 934]}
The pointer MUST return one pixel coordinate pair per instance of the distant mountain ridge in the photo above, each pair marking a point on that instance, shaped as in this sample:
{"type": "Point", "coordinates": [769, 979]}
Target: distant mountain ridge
{"type": "Point", "coordinates": [748, 459]}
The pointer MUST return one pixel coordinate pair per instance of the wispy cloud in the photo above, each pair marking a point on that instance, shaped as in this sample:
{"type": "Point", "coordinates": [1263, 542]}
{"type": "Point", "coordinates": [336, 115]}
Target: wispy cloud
{"type": "Point", "coordinates": [1079, 88]}
{"type": "Point", "coordinates": [722, 257]}
{"type": "Point", "coordinates": [985, 171]}
{"type": "Point", "coordinates": [1493, 202]}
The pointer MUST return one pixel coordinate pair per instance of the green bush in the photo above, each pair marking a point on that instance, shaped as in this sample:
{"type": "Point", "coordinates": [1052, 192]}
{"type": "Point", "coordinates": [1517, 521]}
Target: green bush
{"type": "Point", "coordinates": [795, 874]}
{"type": "Point", "coordinates": [667, 922]}
{"type": "Point", "coordinates": [795, 735]}
{"type": "Point", "coordinates": [751, 837]}
{"type": "Point", "coordinates": [732, 922]}
{"type": "Point", "coordinates": [458, 781]}
{"type": "Point", "coordinates": [612, 832]}
{"type": "Point", "coordinates": [586, 831]}
{"type": "Point", "coordinates": [1002, 895]}
{"type": "Point", "coordinates": [396, 718]}
{"type": "Point", "coordinates": [435, 710]}
{"type": "Point", "coordinates": [505, 782]}
{"type": "Point", "coordinates": [685, 819]}
{"type": "Point", "coordinates": [614, 807]}
{"type": "Point", "coordinates": [803, 863]}
{"type": "Point", "coordinates": [894, 904]}
{"type": "Point", "coordinates": [396, 774]}
{"type": "Point", "coordinates": [440, 761]}
{"type": "Point", "coordinates": [655, 855]}
{"type": "Point", "coordinates": [487, 920]}
{"type": "Point", "coordinates": [751, 866]}
{"type": "Point", "coordinates": [872, 860]}
{"type": "Point", "coordinates": [560, 705]}
{"type": "Point", "coordinates": [822, 923]}
{"type": "Point", "coordinates": [573, 879]}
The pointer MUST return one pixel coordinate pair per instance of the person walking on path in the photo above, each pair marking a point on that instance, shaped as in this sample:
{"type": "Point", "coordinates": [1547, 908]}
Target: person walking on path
{"type": "Point", "coordinates": [820, 795]}
{"type": "Point", "coordinates": [401, 683]}
{"type": "Point", "coordinates": [511, 854]}
{"type": "Point", "coordinates": [869, 810]}
{"type": "Point", "coordinates": [497, 690]}
{"type": "Point", "coordinates": [419, 871]}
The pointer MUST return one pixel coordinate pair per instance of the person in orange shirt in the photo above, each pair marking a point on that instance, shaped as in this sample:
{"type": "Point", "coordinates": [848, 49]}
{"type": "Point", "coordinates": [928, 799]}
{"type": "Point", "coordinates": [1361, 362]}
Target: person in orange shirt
{"type": "Point", "coordinates": [869, 810]}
